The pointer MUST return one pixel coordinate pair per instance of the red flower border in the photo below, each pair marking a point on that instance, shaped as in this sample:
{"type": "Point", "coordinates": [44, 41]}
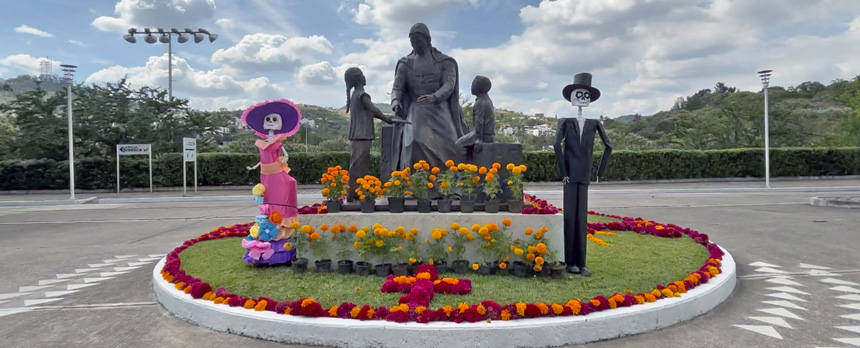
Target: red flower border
{"type": "Point", "coordinates": [418, 311]}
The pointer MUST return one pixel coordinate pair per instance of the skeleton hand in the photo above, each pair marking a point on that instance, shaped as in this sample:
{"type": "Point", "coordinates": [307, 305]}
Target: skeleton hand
{"type": "Point", "coordinates": [566, 180]}
{"type": "Point", "coordinates": [254, 167]}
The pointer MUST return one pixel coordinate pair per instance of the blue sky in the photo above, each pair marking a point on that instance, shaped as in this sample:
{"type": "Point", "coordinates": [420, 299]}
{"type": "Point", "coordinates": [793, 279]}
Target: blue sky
{"type": "Point", "coordinates": [643, 54]}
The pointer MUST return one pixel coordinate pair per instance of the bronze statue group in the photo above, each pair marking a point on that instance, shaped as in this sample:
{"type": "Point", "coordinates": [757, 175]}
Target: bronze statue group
{"type": "Point", "coordinates": [428, 125]}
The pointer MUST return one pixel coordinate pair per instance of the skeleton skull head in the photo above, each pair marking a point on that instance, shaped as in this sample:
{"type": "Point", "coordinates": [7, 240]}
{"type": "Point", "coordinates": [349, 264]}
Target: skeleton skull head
{"type": "Point", "coordinates": [580, 97]}
{"type": "Point", "coordinates": [272, 122]}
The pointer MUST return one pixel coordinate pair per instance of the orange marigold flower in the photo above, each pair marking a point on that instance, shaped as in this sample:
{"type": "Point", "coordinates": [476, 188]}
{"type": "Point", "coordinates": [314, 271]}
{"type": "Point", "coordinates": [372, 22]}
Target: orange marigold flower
{"type": "Point", "coordinates": [475, 266]}
{"type": "Point", "coordinates": [249, 304]}
{"type": "Point", "coordinates": [529, 231]}
{"type": "Point", "coordinates": [668, 293]}
{"type": "Point", "coordinates": [423, 275]}
{"type": "Point", "coordinates": [612, 304]}
{"type": "Point", "coordinates": [539, 260]}
{"type": "Point", "coordinates": [482, 170]}
{"type": "Point", "coordinates": [541, 248]}
{"type": "Point", "coordinates": [521, 309]}
{"type": "Point", "coordinates": [656, 293]}
{"type": "Point", "coordinates": [324, 227]}
{"type": "Point", "coordinates": [354, 312]}
{"type": "Point", "coordinates": [557, 308]}
{"type": "Point", "coordinates": [315, 236]}
{"type": "Point", "coordinates": [219, 300]}
{"type": "Point", "coordinates": [639, 299]}
{"type": "Point", "coordinates": [506, 315]}
{"type": "Point", "coordinates": [544, 309]}
{"type": "Point", "coordinates": [595, 302]}
{"type": "Point", "coordinates": [537, 268]}
{"type": "Point", "coordinates": [506, 222]}
{"type": "Point", "coordinates": [187, 289]}
{"type": "Point", "coordinates": [503, 265]}
{"type": "Point", "coordinates": [420, 309]}
{"type": "Point", "coordinates": [332, 312]}
{"type": "Point", "coordinates": [307, 302]}
{"type": "Point", "coordinates": [628, 292]}
{"type": "Point", "coordinates": [180, 285]}
{"type": "Point", "coordinates": [449, 163]}
{"type": "Point", "coordinates": [672, 287]}
{"type": "Point", "coordinates": [447, 309]}
{"type": "Point", "coordinates": [429, 185]}
{"type": "Point", "coordinates": [261, 306]}
{"type": "Point", "coordinates": [530, 256]}
{"type": "Point", "coordinates": [288, 311]}
{"type": "Point", "coordinates": [574, 305]}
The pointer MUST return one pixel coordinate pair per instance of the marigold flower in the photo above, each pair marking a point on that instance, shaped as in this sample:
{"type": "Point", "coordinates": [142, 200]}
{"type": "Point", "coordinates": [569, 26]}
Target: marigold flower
{"type": "Point", "coordinates": [506, 315]}
{"type": "Point", "coordinates": [543, 229]}
{"type": "Point", "coordinates": [541, 248]}
{"type": "Point", "coordinates": [529, 231]}
{"type": "Point", "coordinates": [288, 246]}
{"type": "Point", "coordinates": [530, 256]}
{"type": "Point", "coordinates": [539, 260]}
{"type": "Point", "coordinates": [668, 293]}
{"type": "Point", "coordinates": [557, 309]}
{"type": "Point", "coordinates": [612, 304]}
{"type": "Point", "coordinates": [325, 191]}
{"type": "Point", "coordinates": [360, 234]}
{"type": "Point", "coordinates": [639, 299]}
{"type": "Point", "coordinates": [379, 243]}
{"type": "Point", "coordinates": [518, 251]}
{"type": "Point", "coordinates": [475, 266]}
{"type": "Point", "coordinates": [219, 300]}
{"type": "Point", "coordinates": [521, 309]}
{"type": "Point", "coordinates": [447, 309]}
{"type": "Point", "coordinates": [537, 268]}
{"type": "Point", "coordinates": [482, 170]}
{"type": "Point", "coordinates": [544, 309]}
{"type": "Point", "coordinates": [539, 235]}
{"type": "Point", "coordinates": [503, 265]}
{"type": "Point", "coordinates": [307, 302]}
{"type": "Point", "coordinates": [420, 309]}
{"type": "Point", "coordinates": [294, 225]}
{"type": "Point", "coordinates": [315, 236]}
{"type": "Point", "coordinates": [483, 230]}
{"type": "Point", "coordinates": [595, 302]}
{"type": "Point", "coordinates": [506, 222]}
{"type": "Point", "coordinates": [353, 312]}
{"type": "Point", "coordinates": [509, 167]}
{"type": "Point", "coordinates": [656, 293]}
{"type": "Point", "coordinates": [481, 309]}
{"type": "Point", "coordinates": [357, 245]}
{"type": "Point", "coordinates": [249, 304]}
{"type": "Point", "coordinates": [449, 249]}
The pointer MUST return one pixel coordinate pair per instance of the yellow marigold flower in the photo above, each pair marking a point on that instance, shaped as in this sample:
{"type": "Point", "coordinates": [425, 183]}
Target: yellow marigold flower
{"type": "Point", "coordinates": [353, 312]}
{"type": "Point", "coordinates": [475, 266]}
{"type": "Point", "coordinates": [656, 293]}
{"type": "Point", "coordinates": [379, 243]}
{"type": "Point", "coordinates": [219, 300]}
{"type": "Point", "coordinates": [503, 265]}
{"type": "Point", "coordinates": [429, 185]}
{"type": "Point", "coordinates": [423, 275]}
{"type": "Point", "coordinates": [650, 298]}
{"type": "Point", "coordinates": [518, 251]}
{"type": "Point", "coordinates": [360, 234]}
{"type": "Point", "coordinates": [430, 261]}
{"type": "Point", "coordinates": [469, 236]}
{"type": "Point", "coordinates": [523, 167]}
{"type": "Point", "coordinates": [420, 309]}
{"type": "Point", "coordinates": [539, 260]}
{"type": "Point", "coordinates": [357, 245]}
{"type": "Point", "coordinates": [506, 222]}
{"type": "Point", "coordinates": [537, 268]}
{"type": "Point", "coordinates": [509, 167]}
{"type": "Point", "coordinates": [639, 299]}
{"type": "Point", "coordinates": [288, 246]}
{"type": "Point", "coordinates": [315, 236]}
{"type": "Point", "coordinates": [516, 171]}
{"type": "Point", "coordinates": [512, 248]}
{"type": "Point", "coordinates": [668, 293]}
{"type": "Point", "coordinates": [449, 249]}
{"type": "Point", "coordinates": [538, 235]}
{"type": "Point", "coordinates": [541, 248]}
{"type": "Point", "coordinates": [521, 309]}
{"type": "Point", "coordinates": [510, 182]}
{"type": "Point", "coordinates": [483, 230]}
{"type": "Point", "coordinates": [306, 229]}
{"type": "Point", "coordinates": [463, 230]}
{"type": "Point", "coordinates": [294, 225]}
{"type": "Point", "coordinates": [506, 315]}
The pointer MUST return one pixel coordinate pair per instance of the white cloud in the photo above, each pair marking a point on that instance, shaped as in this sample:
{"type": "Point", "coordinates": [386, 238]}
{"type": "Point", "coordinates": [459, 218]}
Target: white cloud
{"type": "Point", "coordinates": [320, 73]}
{"type": "Point", "coordinates": [156, 13]}
{"type": "Point", "coordinates": [26, 29]}
{"type": "Point", "coordinates": [267, 52]}
{"type": "Point", "coordinates": [25, 63]}
{"type": "Point", "coordinates": [394, 18]}
{"type": "Point", "coordinates": [77, 43]}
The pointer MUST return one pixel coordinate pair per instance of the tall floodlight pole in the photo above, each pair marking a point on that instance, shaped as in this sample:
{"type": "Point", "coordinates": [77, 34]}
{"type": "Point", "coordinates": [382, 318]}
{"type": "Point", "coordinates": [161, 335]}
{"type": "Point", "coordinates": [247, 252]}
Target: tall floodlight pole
{"type": "Point", "coordinates": [166, 36]}
{"type": "Point", "coordinates": [765, 82]}
{"type": "Point", "coordinates": [69, 76]}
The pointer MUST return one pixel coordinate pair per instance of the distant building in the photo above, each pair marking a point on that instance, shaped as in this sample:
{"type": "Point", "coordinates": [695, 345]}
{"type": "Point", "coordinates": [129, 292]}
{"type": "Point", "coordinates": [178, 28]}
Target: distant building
{"type": "Point", "coordinates": [541, 130]}
{"type": "Point", "coordinates": [540, 114]}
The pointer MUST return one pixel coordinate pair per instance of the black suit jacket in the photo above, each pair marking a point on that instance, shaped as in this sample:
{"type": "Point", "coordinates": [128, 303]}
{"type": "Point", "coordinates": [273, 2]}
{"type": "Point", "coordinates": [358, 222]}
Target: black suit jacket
{"type": "Point", "coordinates": [575, 157]}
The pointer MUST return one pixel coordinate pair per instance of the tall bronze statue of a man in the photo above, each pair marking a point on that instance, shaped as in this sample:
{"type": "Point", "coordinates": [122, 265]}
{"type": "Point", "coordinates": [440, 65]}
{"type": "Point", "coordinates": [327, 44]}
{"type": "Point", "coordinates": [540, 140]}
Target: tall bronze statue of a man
{"type": "Point", "coordinates": [361, 114]}
{"type": "Point", "coordinates": [426, 94]}
{"type": "Point", "coordinates": [574, 151]}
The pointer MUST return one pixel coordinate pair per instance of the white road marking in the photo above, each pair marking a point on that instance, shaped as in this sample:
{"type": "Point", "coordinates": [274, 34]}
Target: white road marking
{"type": "Point", "coordinates": [808, 266]}
{"type": "Point", "coordinates": [850, 328]}
{"type": "Point", "coordinates": [67, 275]}
{"type": "Point", "coordinates": [28, 303]}
{"type": "Point", "coordinates": [844, 288]}
{"type": "Point", "coordinates": [851, 316]}
{"type": "Point", "coordinates": [125, 269]}
{"type": "Point", "coordinates": [852, 341]}
{"type": "Point", "coordinates": [780, 312]}
{"type": "Point", "coordinates": [785, 304]}
{"type": "Point", "coordinates": [783, 281]}
{"type": "Point", "coordinates": [79, 286]}
{"type": "Point", "coordinates": [851, 297]}
{"type": "Point", "coordinates": [788, 289]}
{"type": "Point", "coordinates": [136, 264]}
{"type": "Point", "coordinates": [32, 288]}
{"type": "Point", "coordinates": [837, 282]}
{"type": "Point", "coordinates": [5, 312]}
{"type": "Point", "coordinates": [12, 295]}
{"type": "Point", "coordinates": [761, 329]}
{"type": "Point", "coordinates": [851, 306]}
{"type": "Point", "coordinates": [52, 281]}
{"type": "Point", "coordinates": [762, 264]}
{"type": "Point", "coordinates": [786, 296]}
{"type": "Point", "coordinates": [59, 293]}
{"type": "Point", "coordinates": [770, 270]}
{"type": "Point", "coordinates": [773, 321]}
{"type": "Point", "coordinates": [96, 280]}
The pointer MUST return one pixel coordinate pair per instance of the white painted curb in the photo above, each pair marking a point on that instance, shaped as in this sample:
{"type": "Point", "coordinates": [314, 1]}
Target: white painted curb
{"type": "Point", "coordinates": [538, 332]}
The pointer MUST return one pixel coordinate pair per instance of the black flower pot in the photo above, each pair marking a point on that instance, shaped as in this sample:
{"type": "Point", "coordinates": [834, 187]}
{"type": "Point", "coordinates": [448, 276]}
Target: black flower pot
{"type": "Point", "coordinates": [467, 206]}
{"type": "Point", "coordinates": [424, 206]}
{"type": "Point", "coordinates": [333, 206]}
{"type": "Point", "coordinates": [444, 205]}
{"type": "Point", "coordinates": [460, 266]}
{"type": "Point", "coordinates": [362, 268]}
{"type": "Point", "coordinates": [322, 265]}
{"type": "Point", "coordinates": [545, 271]}
{"type": "Point", "coordinates": [486, 268]}
{"type": "Point", "coordinates": [521, 270]}
{"type": "Point", "coordinates": [491, 206]}
{"type": "Point", "coordinates": [300, 265]}
{"type": "Point", "coordinates": [344, 266]}
{"type": "Point", "coordinates": [395, 204]}
{"type": "Point", "coordinates": [413, 267]}
{"type": "Point", "coordinates": [558, 270]}
{"type": "Point", "coordinates": [383, 270]}
{"type": "Point", "coordinates": [441, 266]}
{"type": "Point", "coordinates": [515, 207]}
{"type": "Point", "coordinates": [400, 269]}
{"type": "Point", "coordinates": [367, 206]}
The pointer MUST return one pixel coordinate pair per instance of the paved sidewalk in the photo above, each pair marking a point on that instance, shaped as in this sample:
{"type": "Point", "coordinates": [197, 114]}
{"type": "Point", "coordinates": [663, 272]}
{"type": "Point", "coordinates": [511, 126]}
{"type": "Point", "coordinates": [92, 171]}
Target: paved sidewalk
{"type": "Point", "coordinates": [836, 190]}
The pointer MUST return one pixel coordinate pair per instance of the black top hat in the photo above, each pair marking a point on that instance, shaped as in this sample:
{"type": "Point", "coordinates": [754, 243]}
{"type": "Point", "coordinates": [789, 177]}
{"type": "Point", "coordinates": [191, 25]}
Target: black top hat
{"type": "Point", "coordinates": [581, 80]}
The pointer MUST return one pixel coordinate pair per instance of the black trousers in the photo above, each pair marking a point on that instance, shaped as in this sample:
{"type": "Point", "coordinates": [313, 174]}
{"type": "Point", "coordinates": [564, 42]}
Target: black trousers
{"type": "Point", "coordinates": [575, 220]}
{"type": "Point", "coordinates": [359, 165]}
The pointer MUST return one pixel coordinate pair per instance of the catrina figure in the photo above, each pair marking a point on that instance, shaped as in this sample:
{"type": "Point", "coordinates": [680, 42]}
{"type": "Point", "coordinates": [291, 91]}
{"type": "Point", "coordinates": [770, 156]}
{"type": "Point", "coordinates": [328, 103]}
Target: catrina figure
{"type": "Point", "coordinates": [276, 194]}
{"type": "Point", "coordinates": [574, 152]}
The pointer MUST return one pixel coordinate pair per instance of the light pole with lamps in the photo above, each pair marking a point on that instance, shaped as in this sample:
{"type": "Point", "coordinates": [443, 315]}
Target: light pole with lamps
{"type": "Point", "coordinates": [69, 75]}
{"type": "Point", "coordinates": [765, 82]}
{"type": "Point", "coordinates": [166, 36]}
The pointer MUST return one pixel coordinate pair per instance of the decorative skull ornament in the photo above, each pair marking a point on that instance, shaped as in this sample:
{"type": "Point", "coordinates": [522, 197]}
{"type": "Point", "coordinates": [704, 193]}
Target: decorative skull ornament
{"type": "Point", "coordinates": [580, 97]}
{"type": "Point", "coordinates": [272, 121]}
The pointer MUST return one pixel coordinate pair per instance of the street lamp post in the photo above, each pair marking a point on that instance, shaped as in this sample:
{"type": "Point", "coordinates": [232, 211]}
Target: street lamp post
{"type": "Point", "coordinates": [69, 75]}
{"type": "Point", "coordinates": [765, 82]}
{"type": "Point", "coordinates": [166, 36]}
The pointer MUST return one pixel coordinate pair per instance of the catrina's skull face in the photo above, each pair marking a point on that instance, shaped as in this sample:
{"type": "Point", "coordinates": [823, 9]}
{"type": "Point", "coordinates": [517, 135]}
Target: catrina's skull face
{"type": "Point", "coordinates": [272, 121]}
{"type": "Point", "coordinates": [580, 97]}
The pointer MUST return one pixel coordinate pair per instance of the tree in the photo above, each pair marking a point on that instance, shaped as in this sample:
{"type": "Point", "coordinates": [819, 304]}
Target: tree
{"type": "Point", "coordinates": [41, 128]}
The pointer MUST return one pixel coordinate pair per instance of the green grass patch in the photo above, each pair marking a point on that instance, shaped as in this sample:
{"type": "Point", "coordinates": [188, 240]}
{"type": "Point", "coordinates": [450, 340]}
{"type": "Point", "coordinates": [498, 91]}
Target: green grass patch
{"type": "Point", "coordinates": [633, 262]}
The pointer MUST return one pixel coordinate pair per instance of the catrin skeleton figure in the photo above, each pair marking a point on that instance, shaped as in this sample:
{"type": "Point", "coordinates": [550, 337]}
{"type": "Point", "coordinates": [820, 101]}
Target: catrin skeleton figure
{"type": "Point", "coordinates": [574, 152]}
{"type": "Point", "coordinates": [272, 122]}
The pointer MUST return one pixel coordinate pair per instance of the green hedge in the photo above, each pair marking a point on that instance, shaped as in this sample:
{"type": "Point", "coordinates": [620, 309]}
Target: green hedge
{"type": "Point", "coordinates": [229, 169]}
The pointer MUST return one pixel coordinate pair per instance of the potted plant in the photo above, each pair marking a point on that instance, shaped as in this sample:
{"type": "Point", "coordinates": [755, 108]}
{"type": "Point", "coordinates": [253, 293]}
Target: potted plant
{"type": "Point", "coordinates": [491, 188]}
{"type": "Point", "coordinates": [516, 183]}
{"type": "Point", "coordinates": [410, 251]}
{"type": "Point", "coordinates": [361, 267]}
{"type": "Point", "coordinates": [468, 182]}
{"type": "Point", "coordinates": [397, 188]}
{"type": "Point", "coordinates": [300, 264]}
{"type": "Point", "coordinates": [335, 183]}
{"type": "Point", "coordinates": [447, 181]}
{"type": "Point", "coordinates": [495, 242]}
{"type": "Point", "coordinates": [462, 235]}
{"type": "Point", "coordinates": [436, 248]}
{"type": "Point", "coordinates": [342, 240]}
{"type": "Point", "coordinates": [319, 248]}
{"type": "Point", "coordinates": [369, 189]}
{"type": "Point", "coordinates": [382, 243]}
{"type": "Point", "coordinates": [421, 184]}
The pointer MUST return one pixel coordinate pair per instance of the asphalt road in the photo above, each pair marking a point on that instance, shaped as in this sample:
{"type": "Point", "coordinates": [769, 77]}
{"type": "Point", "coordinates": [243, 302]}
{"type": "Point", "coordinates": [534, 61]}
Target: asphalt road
{"type": "Point", "coordinates": [48, 250]}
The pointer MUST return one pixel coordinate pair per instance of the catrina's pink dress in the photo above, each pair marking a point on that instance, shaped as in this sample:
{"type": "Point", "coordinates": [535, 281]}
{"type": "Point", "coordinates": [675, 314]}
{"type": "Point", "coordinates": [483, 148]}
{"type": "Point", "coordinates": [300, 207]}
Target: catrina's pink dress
{"type": "Point", "coordinates": [281, 188]}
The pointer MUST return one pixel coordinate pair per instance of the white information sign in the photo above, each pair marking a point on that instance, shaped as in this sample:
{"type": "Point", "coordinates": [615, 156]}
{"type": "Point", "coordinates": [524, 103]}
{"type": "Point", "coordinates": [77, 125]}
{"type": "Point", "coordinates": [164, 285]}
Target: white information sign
{"type": "Point", "coordinates": [189, 154]}
{"type": "Point", "coordinates": [131, 150]}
